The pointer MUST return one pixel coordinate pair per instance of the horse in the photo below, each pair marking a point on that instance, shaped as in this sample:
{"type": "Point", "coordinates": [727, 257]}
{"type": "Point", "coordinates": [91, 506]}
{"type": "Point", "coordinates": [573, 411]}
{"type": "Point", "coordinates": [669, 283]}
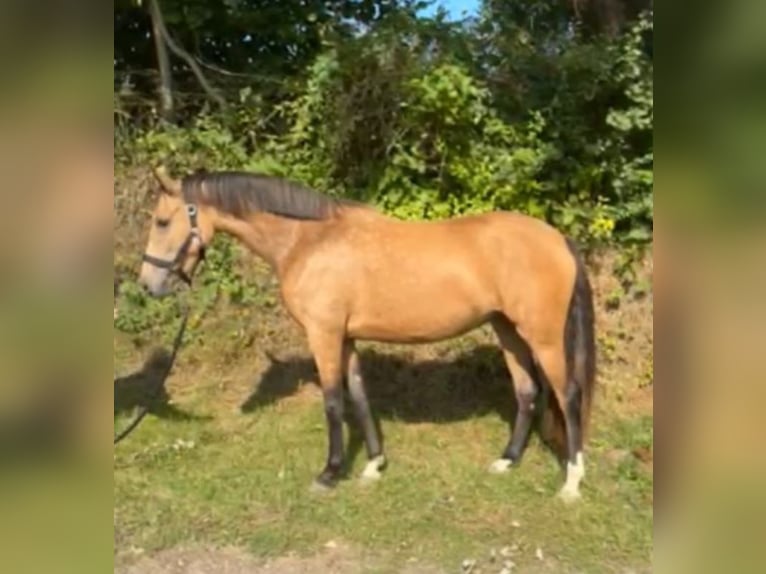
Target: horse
{"type": "Point", "coordinates": [348, 272]}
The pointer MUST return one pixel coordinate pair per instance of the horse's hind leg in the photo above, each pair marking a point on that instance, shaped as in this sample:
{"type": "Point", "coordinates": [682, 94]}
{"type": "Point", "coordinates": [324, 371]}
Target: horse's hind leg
{"type": "Point", "coordinates": [569, 397]}
{"type": "Point", "coordinates": [363, 415]}
{"type": "Point", "coordinates": [328, 354]}
{"type": "Point", "coordinates": [519, 362]}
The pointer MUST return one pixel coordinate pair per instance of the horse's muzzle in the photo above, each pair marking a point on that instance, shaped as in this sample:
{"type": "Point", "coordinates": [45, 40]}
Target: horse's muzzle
{"type": "Point", "coordinates": [154, 280]}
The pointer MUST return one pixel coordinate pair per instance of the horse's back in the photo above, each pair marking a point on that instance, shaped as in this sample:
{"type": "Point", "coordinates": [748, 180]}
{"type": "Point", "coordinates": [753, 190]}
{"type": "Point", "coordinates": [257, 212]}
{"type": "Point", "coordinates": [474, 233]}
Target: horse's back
{"type": "Point", "coordinates": [499, 245]}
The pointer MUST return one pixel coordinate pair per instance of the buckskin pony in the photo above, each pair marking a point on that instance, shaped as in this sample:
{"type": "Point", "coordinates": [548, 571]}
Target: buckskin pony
{"type": "Point", "coordinates": [349, 273]}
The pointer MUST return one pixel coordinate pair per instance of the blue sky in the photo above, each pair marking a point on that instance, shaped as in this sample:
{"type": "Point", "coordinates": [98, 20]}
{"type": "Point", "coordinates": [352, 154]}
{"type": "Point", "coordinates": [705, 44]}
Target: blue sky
{"type": "Point", "coordinates": [455, 8]}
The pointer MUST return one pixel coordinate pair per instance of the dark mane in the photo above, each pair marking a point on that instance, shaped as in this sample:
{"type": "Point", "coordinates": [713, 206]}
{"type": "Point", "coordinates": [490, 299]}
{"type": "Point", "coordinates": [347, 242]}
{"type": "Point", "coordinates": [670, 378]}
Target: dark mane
{"type": "Point", "coordinates": [242, 193]}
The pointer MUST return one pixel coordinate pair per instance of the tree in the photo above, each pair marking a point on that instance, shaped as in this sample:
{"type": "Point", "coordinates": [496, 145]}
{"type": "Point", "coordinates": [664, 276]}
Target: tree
{"type": "Point", "coordinates": [608, 17]}
{"type": "Point", "coordinates": [238, 42]}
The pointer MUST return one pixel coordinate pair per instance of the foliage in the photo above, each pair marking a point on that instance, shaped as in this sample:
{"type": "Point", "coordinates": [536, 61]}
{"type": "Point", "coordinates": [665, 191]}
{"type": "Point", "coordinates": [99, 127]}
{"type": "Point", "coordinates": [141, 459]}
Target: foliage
{"type": "Point", "coordinates": [613, 175]}
{"type": "Point", "coordinates": [217, 281]}
{"type": "Point", "coordinates": [455, 156]}
{"type": "Point", "coordinates": [516, 109]}
{"type": "Point", "coordinates": [627, 155]}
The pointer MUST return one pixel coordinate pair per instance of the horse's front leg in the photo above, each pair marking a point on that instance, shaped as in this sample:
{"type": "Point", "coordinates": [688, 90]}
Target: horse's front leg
{"type": "Point", "coordinates": [328, 353]}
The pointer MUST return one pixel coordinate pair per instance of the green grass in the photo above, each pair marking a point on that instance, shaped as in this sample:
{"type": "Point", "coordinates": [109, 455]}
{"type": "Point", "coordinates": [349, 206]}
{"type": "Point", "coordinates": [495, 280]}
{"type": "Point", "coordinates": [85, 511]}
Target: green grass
{"type": "Point", "coordinates": [204, 472]}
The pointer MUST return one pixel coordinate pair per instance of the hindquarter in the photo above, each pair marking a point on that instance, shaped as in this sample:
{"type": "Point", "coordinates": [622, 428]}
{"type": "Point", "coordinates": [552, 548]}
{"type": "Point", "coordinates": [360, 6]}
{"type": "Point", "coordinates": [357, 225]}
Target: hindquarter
{"type": "Point", "coordinates": [537, 277]}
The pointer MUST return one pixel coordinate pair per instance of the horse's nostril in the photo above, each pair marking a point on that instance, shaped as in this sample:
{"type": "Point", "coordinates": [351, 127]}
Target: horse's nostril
{"type": "Point", "coordinates": [145, 284]}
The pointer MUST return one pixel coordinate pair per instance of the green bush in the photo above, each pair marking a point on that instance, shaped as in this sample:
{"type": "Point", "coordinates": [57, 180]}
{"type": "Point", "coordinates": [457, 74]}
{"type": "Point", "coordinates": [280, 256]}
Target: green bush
{"type": "Point", "coordinates": [217, 281]}
{"type": "Point", "coordinates": [401, 117]}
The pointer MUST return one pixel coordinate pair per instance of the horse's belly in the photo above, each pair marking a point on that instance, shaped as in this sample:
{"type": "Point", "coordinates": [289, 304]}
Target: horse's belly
{"type": "Point", "coordinates": [428, 316]}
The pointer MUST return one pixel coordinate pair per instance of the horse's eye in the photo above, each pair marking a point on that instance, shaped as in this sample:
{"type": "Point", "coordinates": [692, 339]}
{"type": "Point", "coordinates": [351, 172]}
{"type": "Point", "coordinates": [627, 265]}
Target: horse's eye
{"type": "Point", "coordinates": [162, 223]}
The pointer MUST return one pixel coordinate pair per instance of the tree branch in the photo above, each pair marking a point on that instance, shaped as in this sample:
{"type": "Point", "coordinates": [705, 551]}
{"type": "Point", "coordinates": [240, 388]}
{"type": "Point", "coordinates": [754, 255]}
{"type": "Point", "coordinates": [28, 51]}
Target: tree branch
{"type": "Point", "coordinates": [211, 92]}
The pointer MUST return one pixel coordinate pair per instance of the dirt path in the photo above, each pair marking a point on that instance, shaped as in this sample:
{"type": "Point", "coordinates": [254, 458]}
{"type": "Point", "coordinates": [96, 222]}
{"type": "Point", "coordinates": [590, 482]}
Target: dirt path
{"type": "Point", "coordinates": [335, 560]}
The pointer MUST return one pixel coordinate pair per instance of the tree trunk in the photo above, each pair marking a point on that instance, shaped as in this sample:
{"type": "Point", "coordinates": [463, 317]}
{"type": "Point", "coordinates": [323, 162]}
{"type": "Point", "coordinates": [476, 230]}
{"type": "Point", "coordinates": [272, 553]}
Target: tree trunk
{"type": "Point", "coordinates": [163, 63]}
{"type": "Point", "coordinates": [608, 17]}
{"type": "Point", "coordinates": [162, 36]}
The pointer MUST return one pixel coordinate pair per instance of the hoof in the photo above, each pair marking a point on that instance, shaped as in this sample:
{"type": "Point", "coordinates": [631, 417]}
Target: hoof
{"type": "Point", "coordinates": [324, 483]}
{"type": "Point", "coordinates": [569, 495]}
{"type": "Point", "coordinates": [321, 487]}
{"type": "Point", "coordinates": [372, 472]}
{"type": "Point", "coordinates": [500, 466]}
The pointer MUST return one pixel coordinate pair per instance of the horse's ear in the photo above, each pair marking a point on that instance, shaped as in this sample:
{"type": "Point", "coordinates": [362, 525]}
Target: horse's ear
{"type": "Point", "coordinates": [169, 185]}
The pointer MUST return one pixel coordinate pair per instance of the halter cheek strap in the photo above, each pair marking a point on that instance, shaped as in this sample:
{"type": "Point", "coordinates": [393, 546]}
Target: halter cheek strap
{"type": "Point", "coordinates": [174, 265]}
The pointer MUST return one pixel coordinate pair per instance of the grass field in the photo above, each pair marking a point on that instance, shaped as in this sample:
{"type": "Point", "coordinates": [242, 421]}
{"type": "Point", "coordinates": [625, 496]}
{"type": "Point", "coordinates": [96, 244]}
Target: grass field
{"type": "Point", "coordinates": [218, 476]}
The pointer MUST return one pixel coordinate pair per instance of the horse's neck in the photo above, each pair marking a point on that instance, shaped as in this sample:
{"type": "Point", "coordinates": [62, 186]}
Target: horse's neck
{"type": "Point", "coordinates": [271, 237]}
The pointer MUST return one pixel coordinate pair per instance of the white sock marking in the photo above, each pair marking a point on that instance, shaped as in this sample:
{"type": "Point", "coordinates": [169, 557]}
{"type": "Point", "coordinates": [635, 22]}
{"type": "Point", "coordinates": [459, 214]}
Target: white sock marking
{"type": "Point", "coordinates": [372, 470]}
{"type": "Point", "coordinates": [575, 473]}
{"type": "Point", "coordinates": [500, 466]}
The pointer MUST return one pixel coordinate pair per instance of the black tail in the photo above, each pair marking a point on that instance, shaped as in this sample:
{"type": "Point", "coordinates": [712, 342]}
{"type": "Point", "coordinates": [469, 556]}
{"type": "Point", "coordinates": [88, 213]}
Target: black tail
{"type": "Point", "coordinates": [580, 349]}
{"type": "Point", "coordinates": [580, 340]}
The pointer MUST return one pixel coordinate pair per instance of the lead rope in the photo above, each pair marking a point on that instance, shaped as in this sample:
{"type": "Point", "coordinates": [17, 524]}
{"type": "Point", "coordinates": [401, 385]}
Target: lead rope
{"type": "Point", "coordinates": [144, 409]}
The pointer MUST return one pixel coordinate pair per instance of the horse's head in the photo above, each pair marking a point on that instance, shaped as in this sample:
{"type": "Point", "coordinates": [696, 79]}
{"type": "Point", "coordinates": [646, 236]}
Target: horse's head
{"type": "Point", "coordinates": [177, 238]}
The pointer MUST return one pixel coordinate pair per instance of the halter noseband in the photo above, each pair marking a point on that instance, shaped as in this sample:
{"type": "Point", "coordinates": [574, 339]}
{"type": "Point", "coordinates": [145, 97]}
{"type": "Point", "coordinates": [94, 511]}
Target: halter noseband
{"type": "Point", "coordinates": [174, 264]}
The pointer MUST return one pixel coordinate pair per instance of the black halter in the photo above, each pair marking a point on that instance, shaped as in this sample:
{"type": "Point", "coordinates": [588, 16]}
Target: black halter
{"type": "Point", "coordinates": [174, 265]}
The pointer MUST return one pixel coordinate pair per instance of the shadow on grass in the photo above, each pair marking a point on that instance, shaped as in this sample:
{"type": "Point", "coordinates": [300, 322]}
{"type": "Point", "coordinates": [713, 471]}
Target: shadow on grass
{"type": "Point", "coordinates": [446, 390]}
{"type": "Point", "coordinates": [146, 387]}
